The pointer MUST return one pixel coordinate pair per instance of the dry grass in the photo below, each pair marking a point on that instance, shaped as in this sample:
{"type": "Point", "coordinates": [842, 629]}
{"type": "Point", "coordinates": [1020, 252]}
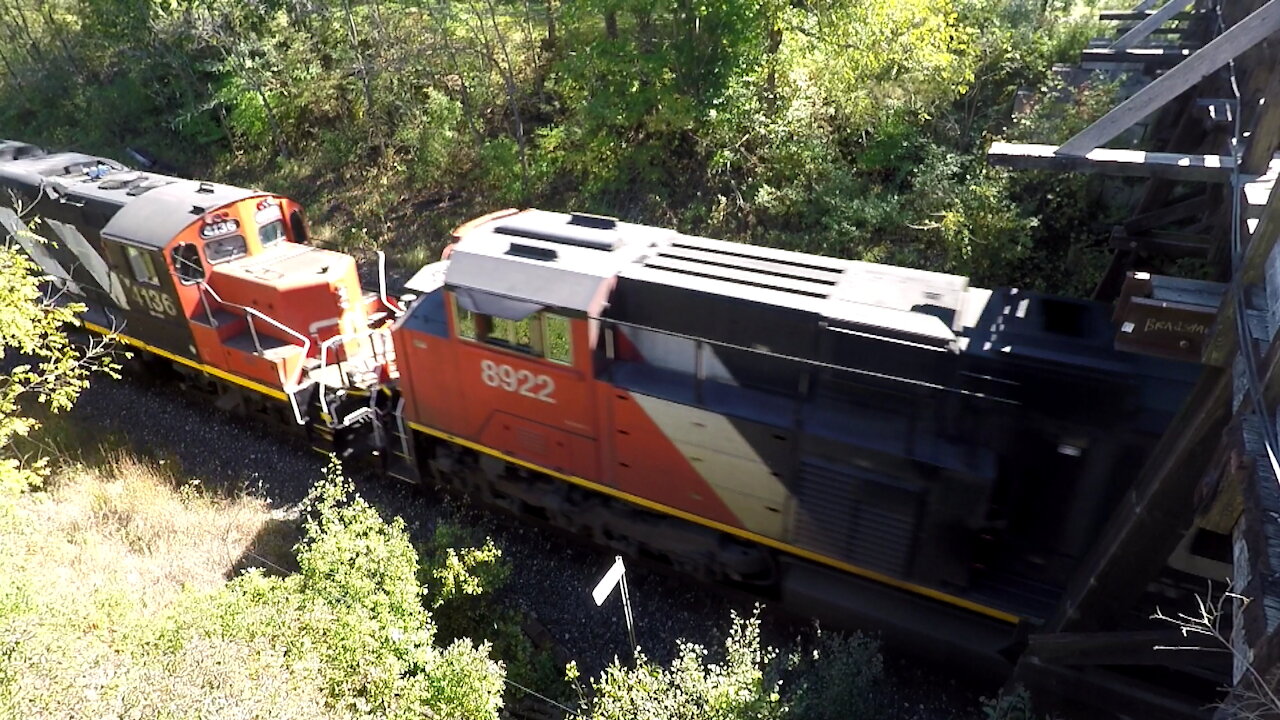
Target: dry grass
{"type": "Point", "coordinates": [132, 526]}
{"type": "Point", "coordinates": [87, 568]}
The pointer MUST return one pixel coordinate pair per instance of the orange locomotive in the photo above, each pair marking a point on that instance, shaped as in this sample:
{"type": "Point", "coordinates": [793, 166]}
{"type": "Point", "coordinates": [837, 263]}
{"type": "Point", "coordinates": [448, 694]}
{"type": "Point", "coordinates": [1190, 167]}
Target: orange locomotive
{"type": "Point", "coordinates": [863, 439]}
{"type": "Point", "coordinates": [216, 279]}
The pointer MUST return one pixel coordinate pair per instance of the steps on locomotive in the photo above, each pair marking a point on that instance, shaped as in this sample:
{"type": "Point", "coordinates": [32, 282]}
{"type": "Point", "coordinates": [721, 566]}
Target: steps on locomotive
{"type": "Point", "coordinates": [401, 463]}
{"type": "Point", "coordinates": [266, 346]}
{"type": "Point", "coordinates": [228, 324]}
{"type": "Point", "coordinates": [403, 469]}
{"type": "Point", "coordinates": [321, 436]}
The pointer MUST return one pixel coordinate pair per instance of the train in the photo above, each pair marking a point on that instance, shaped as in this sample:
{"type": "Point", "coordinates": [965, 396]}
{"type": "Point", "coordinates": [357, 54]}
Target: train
{"type": "Point", "coordinates": [860, 440]}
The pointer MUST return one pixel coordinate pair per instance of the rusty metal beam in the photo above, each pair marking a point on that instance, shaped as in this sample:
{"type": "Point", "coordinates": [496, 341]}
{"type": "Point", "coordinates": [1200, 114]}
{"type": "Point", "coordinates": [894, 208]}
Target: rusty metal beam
{"type": "Point", "coordinates": [1109, 161]}
{"type": "Point", "coordinates": [1165, 243]}
{"type": "Point", "coordinates": [1134, 647]}
{"type": "Point", "coordinates": [1166, 57]}
{"type": "Point", "coordinates": [1264, 136]}
{"type": "Point", "coordinates": [1131, 15]}
{"type": "Point", "coordinates": [1178, 210]}
{"type": "Point", "coordinates": [1097, 692]}
{"type": "Point", "coordinates": [1143, 29]}
{"type": "Point", "coordinates": [1223, 341]}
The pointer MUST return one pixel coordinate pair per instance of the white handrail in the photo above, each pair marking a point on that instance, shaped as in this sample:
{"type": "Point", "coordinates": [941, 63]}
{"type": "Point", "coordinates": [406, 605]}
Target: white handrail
{"type": "Point", "coordinates": [324, 358]}
{"type": "Point", "coordinates": [306, 345]}
{"type": "Point", "coordinates": [382, 286]}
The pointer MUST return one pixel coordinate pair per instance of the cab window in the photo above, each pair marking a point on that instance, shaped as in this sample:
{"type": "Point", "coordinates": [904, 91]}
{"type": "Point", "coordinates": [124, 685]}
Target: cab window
{"type": "Point", "coordinates": [557, 338]}
{"type": "Point", "coordinates": [299, 225]}
{"type": "Point", "coordinates": [186, 262]}
{"type": "Point", "coordinates": [541, 334]}
{"type": "Point", "coordinates": [271, 232]}
{"type": "Point", "coordinates": [144, 270]}
{"type": "Point", "coordinates": [516, 334]}
{"type": "Point", "coordinates": [466, 323]}
{"type": "Point", "coordinates": [227, 248]}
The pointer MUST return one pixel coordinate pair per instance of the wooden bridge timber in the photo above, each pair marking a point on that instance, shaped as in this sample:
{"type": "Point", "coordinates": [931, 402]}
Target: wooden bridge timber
{"type": "Point", "coordinates": [1207, 504]}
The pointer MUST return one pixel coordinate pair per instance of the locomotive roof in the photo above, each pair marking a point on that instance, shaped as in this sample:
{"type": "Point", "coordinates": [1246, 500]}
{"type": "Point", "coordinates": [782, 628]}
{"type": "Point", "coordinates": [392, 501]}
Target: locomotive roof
{"type": "Point", "coordinates": [558, 260]}
{"type": "Point", "coordinates": [548, 258]}
{"type": "Point", "coordinates": [813, 276]}
{"type": "Point", "coordinates": [914, 304]}
{"type": "Point", "coordinates": [16, 150]}
{"type": "Point", "coordinates": [143, 208]}
{"type": "Point", "coordinates": [67, 164]}
{"type": "Point", "coordinates": [154, 218]}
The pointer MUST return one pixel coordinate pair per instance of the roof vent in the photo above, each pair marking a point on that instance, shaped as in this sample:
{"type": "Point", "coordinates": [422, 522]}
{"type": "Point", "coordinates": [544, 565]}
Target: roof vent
{"type": "Point", "coordinates": [152, 184]}
{"type": "Point", "coordinates": [120, 182]}
{"type": "Point", "coordinates": [600, 222]}
{"type": "Point", "coordinates": [558, 231]}
{"type": "Point", "coordinates": [206, 188]}
{"type": "Point", "coordinates": [533, 252]}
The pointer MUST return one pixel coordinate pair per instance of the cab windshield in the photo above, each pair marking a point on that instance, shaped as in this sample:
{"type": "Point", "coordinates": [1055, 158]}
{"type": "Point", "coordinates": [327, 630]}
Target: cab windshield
{"type": "Point", "coordinates": [271, 232]}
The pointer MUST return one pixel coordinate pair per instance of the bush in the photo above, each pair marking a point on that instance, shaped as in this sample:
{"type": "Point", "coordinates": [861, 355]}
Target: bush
{"type": "Point", "coordinates": [834, 676]}
{"type": "Point", "coordinates": [134, 623]}
{"type": "Point", "coordinates": [352, 619]}
{"type": "Point", "coordinates": [840, 678]}
{"type": "Point", "coordinates": [692, 688]}
{"type": "Point", "coordinates": [463, 575]}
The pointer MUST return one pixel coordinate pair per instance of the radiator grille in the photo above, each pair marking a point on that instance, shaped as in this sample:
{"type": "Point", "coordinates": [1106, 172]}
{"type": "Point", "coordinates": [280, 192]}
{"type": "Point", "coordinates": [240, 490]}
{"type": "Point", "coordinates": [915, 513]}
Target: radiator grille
{"type": "Point", "coordinates": [856, 515]}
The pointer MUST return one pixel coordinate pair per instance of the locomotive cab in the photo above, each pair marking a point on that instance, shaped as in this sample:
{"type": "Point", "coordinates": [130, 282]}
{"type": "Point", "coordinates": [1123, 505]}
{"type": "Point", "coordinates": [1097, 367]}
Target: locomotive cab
{"type": "Point", "coordinates": [507, 327]}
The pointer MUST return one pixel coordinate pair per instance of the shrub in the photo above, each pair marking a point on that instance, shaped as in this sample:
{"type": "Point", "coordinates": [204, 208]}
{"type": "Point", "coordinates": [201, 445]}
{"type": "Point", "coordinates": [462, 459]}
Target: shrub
{"type": "Point", "coordinates": [115, 605]}
{"type": "Point", "coordinates": [352, 619]}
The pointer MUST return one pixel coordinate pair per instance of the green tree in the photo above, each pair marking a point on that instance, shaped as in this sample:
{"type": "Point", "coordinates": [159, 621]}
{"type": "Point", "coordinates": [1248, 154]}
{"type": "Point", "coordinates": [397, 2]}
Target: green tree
{"type": "Point", "coordinates": [352, 619]}
{"type": "Point", "coordinates": [38, 361]}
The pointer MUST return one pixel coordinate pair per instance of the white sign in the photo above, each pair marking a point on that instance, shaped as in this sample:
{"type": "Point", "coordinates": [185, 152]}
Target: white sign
{"type": "Point", "coordinates": [608, 582]}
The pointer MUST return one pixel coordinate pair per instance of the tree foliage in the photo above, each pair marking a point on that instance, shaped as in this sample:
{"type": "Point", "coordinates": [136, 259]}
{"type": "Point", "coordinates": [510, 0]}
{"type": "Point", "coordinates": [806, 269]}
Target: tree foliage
{"type": "Point", "coordinates": [828, 676]}
{"type": "Point", "coordinates": [741, 687]}
{"type": "Point", "coordinates": [849, 127]}
{"type": "Point", "coordinates": [37, 360]}
{"type": "Point", "coordinates": [352, 620]}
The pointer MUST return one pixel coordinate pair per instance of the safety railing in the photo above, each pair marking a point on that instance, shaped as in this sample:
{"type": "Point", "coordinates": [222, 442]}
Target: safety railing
{"type": "Point", "coordinates": [379, 356]}
{"type": "Point", "coordinates": [700, 361]}
{"type": "Point", "coordinates": [394, 307]}
{"type": "Point", "coordinates": [289, 387]}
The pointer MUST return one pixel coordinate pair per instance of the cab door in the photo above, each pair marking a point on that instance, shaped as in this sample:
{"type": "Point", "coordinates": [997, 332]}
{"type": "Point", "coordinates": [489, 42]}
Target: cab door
{"type": "Point", "coordinates": [155, 314]}
{"type": "Point", "coordinates": [525, 383]}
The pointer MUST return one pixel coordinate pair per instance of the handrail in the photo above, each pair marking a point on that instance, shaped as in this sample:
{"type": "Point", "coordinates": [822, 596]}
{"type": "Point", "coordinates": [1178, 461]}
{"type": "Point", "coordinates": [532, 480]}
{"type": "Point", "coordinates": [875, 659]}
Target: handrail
{"type": "Point", "coordinates": [382, 286]}
{"type": "Point", "coordinates": [208, 313]}
{"type": "Point", "coordinates": [378, 354]}
{"type": "Point", "coordinates": [252, 313]}
{"type": "Point", "coordinates": [698, 343]}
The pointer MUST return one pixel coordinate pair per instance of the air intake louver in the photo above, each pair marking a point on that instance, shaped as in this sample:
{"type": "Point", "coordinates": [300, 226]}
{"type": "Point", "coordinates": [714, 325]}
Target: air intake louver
{"type": "Point", "coordinates": [859, 517]}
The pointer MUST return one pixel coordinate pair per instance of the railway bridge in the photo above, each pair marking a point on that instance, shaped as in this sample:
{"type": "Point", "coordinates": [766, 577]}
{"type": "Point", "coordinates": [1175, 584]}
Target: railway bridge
{"type": "Point", "coordinates": [1199, 131]}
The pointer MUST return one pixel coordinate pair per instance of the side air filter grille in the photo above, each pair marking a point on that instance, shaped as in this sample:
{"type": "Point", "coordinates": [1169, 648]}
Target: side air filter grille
{"type": "Point", "coordinates": [856, 516]}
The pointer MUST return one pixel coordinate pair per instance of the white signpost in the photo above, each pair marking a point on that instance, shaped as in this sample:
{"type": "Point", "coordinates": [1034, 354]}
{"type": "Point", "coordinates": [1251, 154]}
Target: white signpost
{"type": "Point", "coordinates": [617, 575]}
